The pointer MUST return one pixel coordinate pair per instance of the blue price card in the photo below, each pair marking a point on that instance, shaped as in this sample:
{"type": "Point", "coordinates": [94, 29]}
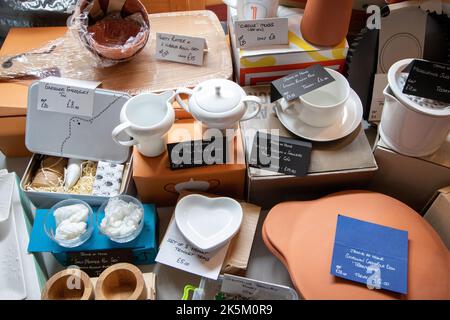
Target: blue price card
{"type": "Point", "coordinates": [371, 254]}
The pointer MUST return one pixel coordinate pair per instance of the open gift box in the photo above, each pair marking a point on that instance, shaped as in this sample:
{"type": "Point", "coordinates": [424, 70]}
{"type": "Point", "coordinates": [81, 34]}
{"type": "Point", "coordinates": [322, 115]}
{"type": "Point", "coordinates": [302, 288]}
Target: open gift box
{"type": "Point", "coordinates": [68, 135]}
{"type": "Point", "coordinates": [157, 183]}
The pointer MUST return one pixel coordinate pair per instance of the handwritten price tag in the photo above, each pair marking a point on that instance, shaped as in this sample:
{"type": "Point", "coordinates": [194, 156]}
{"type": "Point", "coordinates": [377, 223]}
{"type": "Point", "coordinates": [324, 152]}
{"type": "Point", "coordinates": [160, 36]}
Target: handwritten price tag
{"type": "Point", "coordinates": [176, 251]}
{"type": "Point", "coordinates": [261, 32]}
{"type": "Point", "coordinates": [183, 49]}
{"type": "Point", "coordinates": [67, 96]}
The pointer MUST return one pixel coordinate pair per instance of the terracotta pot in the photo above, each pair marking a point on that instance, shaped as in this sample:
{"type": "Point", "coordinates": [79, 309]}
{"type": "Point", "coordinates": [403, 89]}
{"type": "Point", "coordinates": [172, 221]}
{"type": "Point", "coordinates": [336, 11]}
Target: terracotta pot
{"type": "Point", "coordinates": [325, 22]}
{"type": "Point", "coordinates": [96, 42]}
{"type": "Point", "coordinates": [70, 284]}
{"type": "Point", "coordinates": [301, 235]}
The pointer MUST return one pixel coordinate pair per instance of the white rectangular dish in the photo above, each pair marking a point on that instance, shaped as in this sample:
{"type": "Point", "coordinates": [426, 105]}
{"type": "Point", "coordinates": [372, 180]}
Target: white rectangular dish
{"type": "Point", "coordinates": [11, 267]}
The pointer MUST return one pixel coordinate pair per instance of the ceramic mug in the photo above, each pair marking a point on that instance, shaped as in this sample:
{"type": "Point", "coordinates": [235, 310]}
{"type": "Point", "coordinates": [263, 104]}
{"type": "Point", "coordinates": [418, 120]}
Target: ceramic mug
{"type": "Point", "coordinates": [325, 106]}
{"type": "Point", "coordinates": [254, 9]}
{"type": "Point", "coordinates": [146, 118]}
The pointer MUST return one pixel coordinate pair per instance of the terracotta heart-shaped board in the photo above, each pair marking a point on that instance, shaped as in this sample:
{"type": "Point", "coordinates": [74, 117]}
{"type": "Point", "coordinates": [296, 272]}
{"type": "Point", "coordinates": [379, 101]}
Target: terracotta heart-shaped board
{"type": "Point", "coordinates": [208, 223]}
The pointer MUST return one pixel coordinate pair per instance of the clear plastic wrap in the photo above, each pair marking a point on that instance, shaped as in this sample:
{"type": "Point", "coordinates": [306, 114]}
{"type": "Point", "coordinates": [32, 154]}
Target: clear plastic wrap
{"type": "Point", "coordinates": [112, 30]}
{"type": "Point", "coordinates": [85, 47]}
{"type": "Point", "coordinates": [65, 57]}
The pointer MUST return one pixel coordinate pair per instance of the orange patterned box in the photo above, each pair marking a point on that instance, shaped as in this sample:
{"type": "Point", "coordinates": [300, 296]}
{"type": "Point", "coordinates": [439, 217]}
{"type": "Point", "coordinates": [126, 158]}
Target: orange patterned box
{"type": "Point", "coordinates": [263, 65]}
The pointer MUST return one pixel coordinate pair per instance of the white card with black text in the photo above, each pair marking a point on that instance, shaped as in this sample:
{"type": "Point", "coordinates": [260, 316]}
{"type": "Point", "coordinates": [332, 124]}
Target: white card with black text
{"type": "Point", "coordinates": [261, 32]}
{"type": "Point", "coordinates": [178, 48]}
{"type": "Point", "coordinates": [177, 252]}
{"type": "Point", "coordinates": [67, 96]}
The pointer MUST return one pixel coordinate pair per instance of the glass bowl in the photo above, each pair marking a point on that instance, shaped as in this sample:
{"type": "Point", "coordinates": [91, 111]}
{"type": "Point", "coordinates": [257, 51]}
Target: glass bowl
{"type": "Point", "coordinates": [50, 224]}
{"type": "Point", "coordinates": [122, 237]}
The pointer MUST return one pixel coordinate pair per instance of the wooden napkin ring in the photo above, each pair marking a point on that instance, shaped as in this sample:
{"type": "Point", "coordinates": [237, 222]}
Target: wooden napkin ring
{"type": "Point", "coordinates": [69, 284]}
{"type": "Point", "coordinates": [121, 281]}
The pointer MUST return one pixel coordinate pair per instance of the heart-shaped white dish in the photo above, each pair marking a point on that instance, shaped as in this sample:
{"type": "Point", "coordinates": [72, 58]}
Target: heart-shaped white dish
{"type": "Point", "coordinates": [208, 223]}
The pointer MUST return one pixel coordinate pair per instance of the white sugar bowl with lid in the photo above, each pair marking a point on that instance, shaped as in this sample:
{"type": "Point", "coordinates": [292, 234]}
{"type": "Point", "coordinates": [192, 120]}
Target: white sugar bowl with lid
{"type": "Point", "coordinates": [219, 103]}
{"type": "Point", "coordinates": [411, 125]}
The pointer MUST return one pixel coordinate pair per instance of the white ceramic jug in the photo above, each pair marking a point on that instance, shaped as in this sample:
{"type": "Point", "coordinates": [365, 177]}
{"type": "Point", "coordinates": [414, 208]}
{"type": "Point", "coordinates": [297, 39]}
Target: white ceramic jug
{"type": "Point", "coordinates": [410, 125]}
{"type": "Point", "coordinates": [146, 118]}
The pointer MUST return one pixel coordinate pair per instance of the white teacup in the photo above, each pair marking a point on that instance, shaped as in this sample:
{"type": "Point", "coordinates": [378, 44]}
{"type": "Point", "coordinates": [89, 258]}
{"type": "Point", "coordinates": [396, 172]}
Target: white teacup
{"type": "Point", "coordinates": [146, 118]}
{"type": "Point", "coordinates": [325, 106]}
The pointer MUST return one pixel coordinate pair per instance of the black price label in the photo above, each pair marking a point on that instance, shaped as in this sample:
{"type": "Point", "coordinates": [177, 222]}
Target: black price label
{"type": "Point", "coordinates": [299, 83]}
{"type": "Point", "coordinates": [197, 153]}
{"type": "Point", "coordinates": [95, 262]}
{"type": "Point", "coordinates": [280, 154]}
{"type": "Point", "coordinates": [429, 80]}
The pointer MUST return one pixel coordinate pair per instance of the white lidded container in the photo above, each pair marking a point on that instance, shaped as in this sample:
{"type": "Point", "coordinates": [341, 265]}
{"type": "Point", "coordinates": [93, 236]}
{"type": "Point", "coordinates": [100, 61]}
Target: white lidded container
{"type": "Point", "coordinates": [411, 125]}
{"type": "Point", "coordinates": [78, 137]}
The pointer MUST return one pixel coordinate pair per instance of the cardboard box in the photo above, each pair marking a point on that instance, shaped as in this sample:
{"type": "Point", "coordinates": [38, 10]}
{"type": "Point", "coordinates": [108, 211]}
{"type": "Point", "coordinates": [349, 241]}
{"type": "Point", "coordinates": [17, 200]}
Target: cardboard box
{"type": "Point", "coordinates": [238, 253]}
{"type": "Point", "coordinates": [411, 180]}
{"type": "Point", "coordinates": [347, 163]}
{"type": "Point", "coordinates": [262, 65]}
{"type": "Point", "coordinates": [157, 183]}
{"type": "Point", "coordinates": [437, 213]}
{"type": "Point", "coordinates": [13, 95]}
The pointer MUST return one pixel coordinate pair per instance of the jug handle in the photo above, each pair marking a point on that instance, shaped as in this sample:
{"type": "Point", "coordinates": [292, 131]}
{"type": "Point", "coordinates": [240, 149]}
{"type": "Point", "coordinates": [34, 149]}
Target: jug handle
{"type": "Point", "coordinates": [231, 3]}
{"type": "Point", "coordinates": [254, 113]}
{"type": "Point", "coordinates": [187, 91]}
{"type": "Point", "coordinates": [117, 130]}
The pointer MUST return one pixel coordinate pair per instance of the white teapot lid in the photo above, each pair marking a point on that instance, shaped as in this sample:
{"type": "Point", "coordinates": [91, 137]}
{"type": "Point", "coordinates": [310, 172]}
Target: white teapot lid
{"type": "Point", "coordinates": [218, 95]}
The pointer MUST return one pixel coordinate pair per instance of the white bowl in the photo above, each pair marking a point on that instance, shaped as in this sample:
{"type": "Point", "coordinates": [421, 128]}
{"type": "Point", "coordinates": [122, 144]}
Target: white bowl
{"type": "Point", "coordinates": [208, 223]}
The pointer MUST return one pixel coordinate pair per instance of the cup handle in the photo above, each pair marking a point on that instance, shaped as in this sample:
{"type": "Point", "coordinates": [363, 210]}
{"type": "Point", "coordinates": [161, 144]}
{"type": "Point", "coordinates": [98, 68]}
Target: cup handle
{"type": "Point", "coordinates": [117, 130]}
{"type": "Point", "coordinates": [187, 91]}
{"type": "Point", "coordinates": [254, 113]}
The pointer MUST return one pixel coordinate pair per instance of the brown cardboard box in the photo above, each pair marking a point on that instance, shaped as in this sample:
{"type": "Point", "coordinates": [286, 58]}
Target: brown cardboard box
{"type": "Point", "coordinates": [12, 136]}
{"type": "Point", "coordinates": [437, 213]}
{"type": "Point", "coordinates": [13, 95]}
{"type": "Point", "coordinates": [238, 253]}
{"type": "Point", "coordinates": [411, 180]}
{"type": "Point", "coordinates": [347, 163]}
{"type": "Point", "coordinates": [157, 183]}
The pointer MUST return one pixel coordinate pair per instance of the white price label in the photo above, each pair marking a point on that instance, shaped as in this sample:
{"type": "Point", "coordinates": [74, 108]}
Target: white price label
{"type": "Point", "coordinates": [261, 32]}
{"type": "Point", "coordinates": [67, 96]}
{"type": "Point", "coordinates": [177, 48]}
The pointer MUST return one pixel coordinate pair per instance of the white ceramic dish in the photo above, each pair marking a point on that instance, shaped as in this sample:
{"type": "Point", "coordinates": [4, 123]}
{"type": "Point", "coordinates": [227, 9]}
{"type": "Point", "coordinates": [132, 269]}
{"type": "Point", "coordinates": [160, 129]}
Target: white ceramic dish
{"type": "Point", "coordinates": [351, 119]}
{"type": "Point", "coordinates": [12, 278]}
{"type": "Point", "coordinates": [6, 191]}
{"type": "Point", "coordinates": [208, 223]}
{"type": "Point", "coordinates": [146, 118]}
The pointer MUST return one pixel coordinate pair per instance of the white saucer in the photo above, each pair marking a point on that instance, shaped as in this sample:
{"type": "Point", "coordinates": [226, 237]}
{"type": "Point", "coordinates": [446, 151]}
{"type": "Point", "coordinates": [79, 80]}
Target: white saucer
{"type": "Point", "coordinates": [353, 112]}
